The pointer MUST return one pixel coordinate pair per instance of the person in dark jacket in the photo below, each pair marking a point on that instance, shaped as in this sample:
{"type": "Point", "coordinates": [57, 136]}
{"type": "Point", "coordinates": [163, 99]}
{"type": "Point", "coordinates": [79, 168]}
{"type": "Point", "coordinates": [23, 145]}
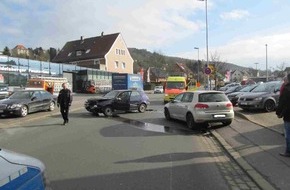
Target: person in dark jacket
{"type": "Point", "coordinates": [64, 101]}
{"type": "Point", "coordinates": [283, 111]}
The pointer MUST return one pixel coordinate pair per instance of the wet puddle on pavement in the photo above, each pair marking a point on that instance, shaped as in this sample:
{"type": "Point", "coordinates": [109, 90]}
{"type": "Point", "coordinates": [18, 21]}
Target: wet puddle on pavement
{"type": "Point", "coordinates": [155, 127]}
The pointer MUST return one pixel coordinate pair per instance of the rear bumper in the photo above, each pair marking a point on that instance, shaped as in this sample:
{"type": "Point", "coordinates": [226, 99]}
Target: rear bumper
{"type": "Point", "coordinates": [202, 117]}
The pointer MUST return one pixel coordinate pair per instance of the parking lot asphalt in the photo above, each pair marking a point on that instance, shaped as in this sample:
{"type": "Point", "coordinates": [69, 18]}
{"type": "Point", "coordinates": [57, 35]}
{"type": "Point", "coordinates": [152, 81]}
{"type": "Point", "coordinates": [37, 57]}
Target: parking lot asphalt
{"type": "Point", "coordinates": [268, 120]}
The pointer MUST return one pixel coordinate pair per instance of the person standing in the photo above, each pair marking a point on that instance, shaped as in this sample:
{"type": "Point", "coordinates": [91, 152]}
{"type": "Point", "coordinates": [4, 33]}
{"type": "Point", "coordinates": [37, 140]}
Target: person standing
{"type": "Point", "coordinates": [64, 101]}
{"type": "Point", "coordinates": [283, 111]}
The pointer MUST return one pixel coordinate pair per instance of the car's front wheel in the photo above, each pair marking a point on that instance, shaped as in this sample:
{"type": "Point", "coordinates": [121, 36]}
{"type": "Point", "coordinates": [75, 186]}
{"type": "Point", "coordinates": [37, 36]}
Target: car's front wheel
{"type": "Point", "coordinates": [190, 121]}
{"type": "Point", "coordinates": [167, 114]}
{"type": "Point", "coordinates": [51, 106]}
{"type": "Point", "coordinates": [108, 111]}
{"type": "Point", "coordinates": [269, 105]}
{"type": "Point", "coordinates": [23, 111]}
{"type": "Point", "coordinates": [95, 113]}
{"type": "Point", "coordinates": [142, 108]}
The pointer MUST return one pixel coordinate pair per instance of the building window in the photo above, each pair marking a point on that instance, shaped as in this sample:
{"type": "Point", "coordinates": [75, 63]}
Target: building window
{"type": "Point", "coordinates": [117, 51]}
{"type": "Point", "coordinates": [69, 54]}
{"type": "Point", "coordinates": [78, 53]}
{"type": "Point", "coordinates": [116, 64]}
{"type": "Point", "coordinates": [88, 50]}
{"type": "Point", "coordinates": [123, 65]}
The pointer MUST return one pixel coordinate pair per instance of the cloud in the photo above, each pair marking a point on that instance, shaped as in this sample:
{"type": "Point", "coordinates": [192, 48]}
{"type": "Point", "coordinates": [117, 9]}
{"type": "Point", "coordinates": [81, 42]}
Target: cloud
{"type": "Point", "coordinates": [235, 15]}
{"type": "Point", "coordinates": [156, 23]}
{"type": "Point", "coordinates": [247, 51]}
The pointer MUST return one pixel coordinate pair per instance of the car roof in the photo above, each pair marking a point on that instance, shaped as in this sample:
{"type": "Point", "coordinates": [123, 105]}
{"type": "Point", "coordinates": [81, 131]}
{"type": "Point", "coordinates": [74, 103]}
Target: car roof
{"type": "Point", "coordinates": [29, 90]}
{"type": "Point", "coordinates": [206, 91]}
{"type": "Point", "coordinates": [128, 90]}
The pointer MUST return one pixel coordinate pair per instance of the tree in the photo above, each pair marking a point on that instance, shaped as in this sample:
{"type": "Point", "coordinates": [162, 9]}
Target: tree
{"type": "Point", "coordinates": [281, 69]}
{"type": "Point", "coordinates": [215, 60]}
{"type": "Point", "coordinates": [6, 51]}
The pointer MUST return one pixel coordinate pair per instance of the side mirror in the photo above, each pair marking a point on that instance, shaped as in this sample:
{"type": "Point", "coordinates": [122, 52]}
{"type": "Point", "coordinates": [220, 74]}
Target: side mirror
{"type": "Point", "coordinates": [119, 99]}
{"type": "Point", "coordinates": [33, 98]}
{"type": "Point", "coordinates": [173, 101]}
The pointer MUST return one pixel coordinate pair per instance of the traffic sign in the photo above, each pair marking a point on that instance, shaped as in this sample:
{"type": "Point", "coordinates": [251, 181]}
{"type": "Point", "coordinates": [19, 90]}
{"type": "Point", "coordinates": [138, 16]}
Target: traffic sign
{"type": "Point", "coordinates": [207, 71]}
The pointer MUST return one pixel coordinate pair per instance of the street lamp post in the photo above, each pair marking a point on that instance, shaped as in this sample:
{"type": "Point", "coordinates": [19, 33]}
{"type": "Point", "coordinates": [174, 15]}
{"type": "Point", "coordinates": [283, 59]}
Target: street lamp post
{"type": "Point", "coordinates": [197, 63]}
{"type": "Point", "coordinates": [206, 39]}
{"type": "Point", "coordinates": [256, 69]}
{"type": "Point", "coordinates": [266, 62]}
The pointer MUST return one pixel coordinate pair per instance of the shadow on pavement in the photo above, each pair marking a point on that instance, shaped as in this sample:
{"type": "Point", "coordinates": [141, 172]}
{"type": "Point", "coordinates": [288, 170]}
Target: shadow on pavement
{"type": "Point", "coordinates": [176, 177]}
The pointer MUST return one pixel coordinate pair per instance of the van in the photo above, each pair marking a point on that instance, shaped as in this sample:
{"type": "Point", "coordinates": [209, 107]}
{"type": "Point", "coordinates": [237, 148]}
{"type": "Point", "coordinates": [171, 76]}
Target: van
{"type": "Point", "coordinates": [174, 85]}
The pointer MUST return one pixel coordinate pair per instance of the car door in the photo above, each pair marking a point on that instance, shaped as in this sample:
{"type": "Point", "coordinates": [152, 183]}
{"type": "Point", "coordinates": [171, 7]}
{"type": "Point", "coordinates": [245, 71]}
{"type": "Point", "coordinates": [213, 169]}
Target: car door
{"type": "Point", "coordinates": [135, 99]}
{"type": "Point", "coordinates": [174, 106]}
{"type": "Point", "coordinates": [46, 98]}
{"type": "Point", "coordinates": [122, 101]}
{"type": "Point", "coordinates": [36, 102]}
{"type": "Point", "coordinates": [186, 101]}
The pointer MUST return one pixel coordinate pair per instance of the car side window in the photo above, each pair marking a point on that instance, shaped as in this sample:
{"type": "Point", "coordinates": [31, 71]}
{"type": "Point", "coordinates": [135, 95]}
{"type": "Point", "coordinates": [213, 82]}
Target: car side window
{"type": "Point", "coordinates": [179, 97]}
{"type": "Point", "coordinates": [187, 97]}
{"type": "Point", "coordinates": [124, 96]}
{"type": "Point", "coordinates": [37, 95]}
{"type": "Point", "coordinates": [135, 96]}
{"type": "Point", "coordinates": [45, 94]}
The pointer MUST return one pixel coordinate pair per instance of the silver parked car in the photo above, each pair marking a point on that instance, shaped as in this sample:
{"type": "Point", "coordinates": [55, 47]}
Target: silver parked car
{"type": "Point", "coordinates": [200, 107]}
{"type": "Point", "coordinates": [265, 96]}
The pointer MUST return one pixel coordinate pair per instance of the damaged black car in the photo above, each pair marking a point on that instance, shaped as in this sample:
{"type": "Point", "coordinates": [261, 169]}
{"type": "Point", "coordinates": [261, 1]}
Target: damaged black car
{"type": "Point", "coordinates": [118, 100]}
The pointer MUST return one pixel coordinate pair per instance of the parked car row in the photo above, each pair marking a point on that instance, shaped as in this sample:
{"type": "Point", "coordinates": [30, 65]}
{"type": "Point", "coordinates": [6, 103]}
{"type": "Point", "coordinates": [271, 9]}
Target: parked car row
{"type": "Point", "coordinates": [263, 96]}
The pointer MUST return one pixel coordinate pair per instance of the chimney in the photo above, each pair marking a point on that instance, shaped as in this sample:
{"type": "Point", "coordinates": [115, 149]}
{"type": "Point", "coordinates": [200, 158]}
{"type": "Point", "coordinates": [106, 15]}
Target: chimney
{"type": "Point", "coordinates": [102, 34]}
{"type": "Point", "coordinates": [82, 38]}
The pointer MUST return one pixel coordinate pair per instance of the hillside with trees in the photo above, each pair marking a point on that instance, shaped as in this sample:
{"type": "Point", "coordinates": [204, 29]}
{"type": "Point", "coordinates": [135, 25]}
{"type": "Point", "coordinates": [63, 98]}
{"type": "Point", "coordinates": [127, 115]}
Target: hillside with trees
{"type": "Point", "coordinates": [145, 59]}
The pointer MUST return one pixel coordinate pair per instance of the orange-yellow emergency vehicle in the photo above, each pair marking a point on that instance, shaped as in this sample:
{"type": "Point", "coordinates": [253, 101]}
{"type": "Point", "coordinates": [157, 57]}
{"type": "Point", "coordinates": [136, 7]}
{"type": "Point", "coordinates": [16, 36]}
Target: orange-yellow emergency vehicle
{"type": "Point", "coordinates": [175, 85]}
{"type": "Point", "coordinates": [50, 84]}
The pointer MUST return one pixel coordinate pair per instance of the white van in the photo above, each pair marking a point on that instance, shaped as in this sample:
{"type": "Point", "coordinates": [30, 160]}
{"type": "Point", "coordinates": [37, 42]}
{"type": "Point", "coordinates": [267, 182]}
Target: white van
{"type": "Point", "coordinates": [18, 171]}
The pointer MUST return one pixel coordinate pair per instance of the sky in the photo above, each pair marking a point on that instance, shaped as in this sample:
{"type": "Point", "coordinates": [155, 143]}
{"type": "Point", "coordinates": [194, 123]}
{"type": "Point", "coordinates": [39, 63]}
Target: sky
{"type": "Point", "coordinates": [242, 32]}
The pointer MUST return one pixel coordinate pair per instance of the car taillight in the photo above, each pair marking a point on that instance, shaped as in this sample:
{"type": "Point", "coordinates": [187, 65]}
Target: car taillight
{"type": "Point", "coordinates": [229, 105]}
{"type": "Point", "coordinates": [201, 106]}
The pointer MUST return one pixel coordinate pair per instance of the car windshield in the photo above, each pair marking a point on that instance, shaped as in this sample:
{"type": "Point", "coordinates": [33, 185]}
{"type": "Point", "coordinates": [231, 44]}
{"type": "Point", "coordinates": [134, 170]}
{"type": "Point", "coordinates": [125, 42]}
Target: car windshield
{"type": "Point", "coordinates": [212, 97]}
{"type": "Point", "coordinates": [111, 94]}
{"type": "Point", "coordinates": [179, 85]}
{"type": "Point", "coordinates": [3, 88]}
{"type": "Point", "coordinates": [158, 87]}
{"type": "Point", "coordinates": [265, 87]}
{"type": "Point", "coordinates": [248, 88]}
{"type": "Point", "coordinates": [21, 95]}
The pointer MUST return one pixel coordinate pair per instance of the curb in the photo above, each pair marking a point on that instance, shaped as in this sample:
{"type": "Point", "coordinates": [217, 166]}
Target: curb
{"type": "Point", "coordinates": [252, 173]}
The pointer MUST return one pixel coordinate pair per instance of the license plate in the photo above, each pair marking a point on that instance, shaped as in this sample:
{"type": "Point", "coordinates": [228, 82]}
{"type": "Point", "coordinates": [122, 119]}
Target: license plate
{"type": "Point", "coordinates": [1, 111]}
{"type": "Point", "coordinates": [219, 116]}
{"type": "Point", "coordinates": [244, 103]}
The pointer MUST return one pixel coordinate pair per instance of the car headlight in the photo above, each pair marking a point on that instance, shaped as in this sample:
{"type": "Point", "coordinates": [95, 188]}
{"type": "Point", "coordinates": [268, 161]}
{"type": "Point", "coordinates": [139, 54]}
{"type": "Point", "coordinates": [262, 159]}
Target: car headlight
{"type": "Point", "coordinates": [258, 99]}
{"type": "Point", "coordinates": [13, 106]}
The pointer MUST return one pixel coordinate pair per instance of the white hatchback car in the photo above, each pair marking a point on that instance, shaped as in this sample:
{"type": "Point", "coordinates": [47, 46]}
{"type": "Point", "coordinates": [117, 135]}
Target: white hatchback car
{"type": "Point", "coordinates": [158, 89]}
{"type": "Point", "coordinates": [200, 107]}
